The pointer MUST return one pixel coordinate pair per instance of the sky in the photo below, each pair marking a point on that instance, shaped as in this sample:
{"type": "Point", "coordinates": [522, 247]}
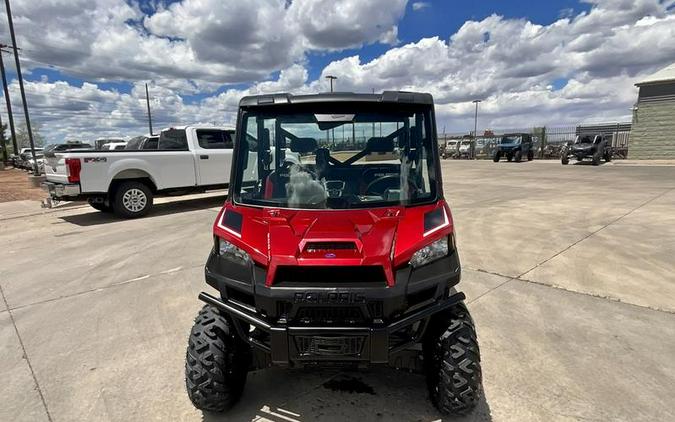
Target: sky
{"type": "Point", "coordinates": [558, 62]}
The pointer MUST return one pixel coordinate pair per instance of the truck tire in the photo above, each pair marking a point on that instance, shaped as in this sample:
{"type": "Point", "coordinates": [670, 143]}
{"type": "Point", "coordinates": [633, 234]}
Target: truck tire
{"type": "Point", "coordinates": [518, 156]}
{"type": "Point", "coordinates": [596, 159]}
{"type": "Point", "coordinates": [608, 156]}
{"type": "Point", "coordinates": [530, 155]}
{"type": "Point", "coordinates": [509, 157]}
{"type": "Point", "coordinates": [497, 156]}
{"type": "Point", "coordinates": [132, 199]}
{"type": "Point", "coordinates": [452, 360]}
{"type": "Point", "coordinates": [216, 363]}
{"type": "Point", "coordinates": [564, 159]}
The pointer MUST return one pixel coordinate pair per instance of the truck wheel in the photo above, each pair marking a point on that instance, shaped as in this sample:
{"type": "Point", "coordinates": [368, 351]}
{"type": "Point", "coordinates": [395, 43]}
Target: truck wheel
{"type": "Point", "coordinates": [132, 199]}
{"type": "Point", "coordinates": [452, 360]}
{"type": "Point", "coordinates": [216, 363]}
{"type": "Point", "coordinates": [564, 159]}
{"type": "Point", "coordinates": [100, 206]}
{"type": "Point", "coordinates": [497, 156]}
{"type": "Point", "coordinates": [530, 155]}
{"type": "Point", "coordinates": [596, 159]}
{"type": "Point", "coordinates": [509, 157]}
{"type": "Point", "coordinates": [608, 157]}
{"type": "Point", "coordinates": [519, 156]}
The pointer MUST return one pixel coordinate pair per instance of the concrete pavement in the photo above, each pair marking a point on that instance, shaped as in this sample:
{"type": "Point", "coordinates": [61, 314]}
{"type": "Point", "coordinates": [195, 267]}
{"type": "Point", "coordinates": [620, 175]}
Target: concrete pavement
{"type": "Point", "coordinates": [568, 273]}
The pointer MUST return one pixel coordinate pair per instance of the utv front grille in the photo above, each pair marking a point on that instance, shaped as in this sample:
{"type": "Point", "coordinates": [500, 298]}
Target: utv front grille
{"type": "Point", "coordinates": [329, 346]}
{"type": "Point", "coordinates": [305, 275]}
{"type": "Point", "coordinates": [330, 315]}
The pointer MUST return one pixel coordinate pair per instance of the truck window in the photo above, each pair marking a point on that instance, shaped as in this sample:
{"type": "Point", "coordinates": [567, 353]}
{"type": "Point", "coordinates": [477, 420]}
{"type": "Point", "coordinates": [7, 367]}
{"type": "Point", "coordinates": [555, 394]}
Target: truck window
{"type": "Point", "coordinates": [173, 139]}
{"type": "Point", "coordinates": [214, 139]}
{"type": "Point", "coordinates": [150, 143]}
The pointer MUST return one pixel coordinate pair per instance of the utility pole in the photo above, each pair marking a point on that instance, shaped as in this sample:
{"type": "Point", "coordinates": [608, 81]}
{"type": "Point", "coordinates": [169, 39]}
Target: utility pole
{"type": "Point", "coordinates": [4, 144]}
{"type": "Point", "coordinates": [36, 172]}
{"type": "Point", "coordinates": [147, 101]}
{"type": "Point", "coordinates": [7, 100]}
{"type": "Point", "coordinates": [331, 78]}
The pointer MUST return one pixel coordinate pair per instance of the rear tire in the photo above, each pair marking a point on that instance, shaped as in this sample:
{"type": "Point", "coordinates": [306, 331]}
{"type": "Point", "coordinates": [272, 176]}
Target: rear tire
{"type": "Point", "coordinates": [497, 157]}
{"type": "Point", "coordinates": [519, 156]}
{"type": "Point", "coordinates": [530, 156]}
{"type": "Point", "coordinates": [452, 360]}
{"type": "Point", "coordinates": [132, 199]}
{"type": "Point", "coordinates": [565, 160]}
{"type": "Point", "coordinates": [608, 156]}
{"type": "Point", "coordinates": [216, 363]}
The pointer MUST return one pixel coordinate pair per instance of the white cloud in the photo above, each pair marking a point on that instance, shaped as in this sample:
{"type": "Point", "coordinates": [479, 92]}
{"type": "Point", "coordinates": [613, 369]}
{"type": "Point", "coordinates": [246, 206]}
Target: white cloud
{"type": "Point", "coordinates": [509, 63]}
{"type": "Point", "coordinates": [419, 5]}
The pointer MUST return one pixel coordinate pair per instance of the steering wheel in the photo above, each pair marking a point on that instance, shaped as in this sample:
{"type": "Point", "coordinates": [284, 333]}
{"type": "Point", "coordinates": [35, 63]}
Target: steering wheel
{"type": "Point", "coordinates": [381, 184]}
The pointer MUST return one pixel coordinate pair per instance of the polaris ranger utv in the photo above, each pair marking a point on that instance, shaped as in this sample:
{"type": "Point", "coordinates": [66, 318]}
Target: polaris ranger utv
{"type": "Point", "coordinates": [342, 256]}
{"type": "Point", "coordinates": [515, 146]}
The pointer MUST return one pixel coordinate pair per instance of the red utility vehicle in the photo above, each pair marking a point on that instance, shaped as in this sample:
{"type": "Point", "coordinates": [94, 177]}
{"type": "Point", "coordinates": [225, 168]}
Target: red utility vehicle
{"type": "Point", "coordinates": [335, 247]}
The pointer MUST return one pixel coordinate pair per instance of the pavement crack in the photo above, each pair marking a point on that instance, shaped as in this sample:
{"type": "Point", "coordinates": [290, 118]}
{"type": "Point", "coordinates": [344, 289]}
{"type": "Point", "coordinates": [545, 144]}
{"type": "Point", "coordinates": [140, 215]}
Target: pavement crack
{"type": "Point", "coordinates": [596, 231]}
{"type": "Point", "coordinates": [25, 355]}
{"type": "Point", "coordinates": [98, 289]}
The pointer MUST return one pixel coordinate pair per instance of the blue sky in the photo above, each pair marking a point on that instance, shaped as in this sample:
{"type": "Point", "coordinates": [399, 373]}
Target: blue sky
{"type": "Point", "coordinates": [532, 63]}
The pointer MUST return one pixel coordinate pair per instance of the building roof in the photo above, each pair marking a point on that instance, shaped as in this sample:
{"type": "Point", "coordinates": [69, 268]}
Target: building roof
{"type": "Point", "coordinates": [667, 74]}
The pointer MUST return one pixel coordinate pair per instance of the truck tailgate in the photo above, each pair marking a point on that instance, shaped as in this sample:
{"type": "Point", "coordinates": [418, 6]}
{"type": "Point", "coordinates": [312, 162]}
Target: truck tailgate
{"type": "Point", "coordinates": [55, 168]}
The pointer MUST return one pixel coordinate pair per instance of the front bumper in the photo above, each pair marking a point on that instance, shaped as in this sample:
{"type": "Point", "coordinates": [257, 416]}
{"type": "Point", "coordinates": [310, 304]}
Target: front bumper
{"type": "Point", "coordinates": [61, 190]}
{"type": "Point", "coordinates": [312, 345]}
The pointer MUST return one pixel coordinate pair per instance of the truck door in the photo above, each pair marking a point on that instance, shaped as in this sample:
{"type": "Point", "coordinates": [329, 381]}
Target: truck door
{"type": "Point", "coordinates": [213, 156]}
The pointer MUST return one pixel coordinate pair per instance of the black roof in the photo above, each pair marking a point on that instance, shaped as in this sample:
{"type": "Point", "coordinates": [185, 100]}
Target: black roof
{"type": "Point", "coordinates": [328, 97]}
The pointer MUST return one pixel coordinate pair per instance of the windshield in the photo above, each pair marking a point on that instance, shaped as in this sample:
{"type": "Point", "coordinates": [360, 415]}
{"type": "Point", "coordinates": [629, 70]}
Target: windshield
{"type": "Point", "coordinates": [584, 140]}
{"type": "Point", "coordinates": [335, 161]}
{"type": "Point", "coordinates": [510, 140]}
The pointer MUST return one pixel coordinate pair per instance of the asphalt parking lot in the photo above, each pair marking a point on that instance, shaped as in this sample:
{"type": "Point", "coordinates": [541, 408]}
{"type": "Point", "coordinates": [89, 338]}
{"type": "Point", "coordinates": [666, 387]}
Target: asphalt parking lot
{"type": "Point", "coordinates": [569, 271]}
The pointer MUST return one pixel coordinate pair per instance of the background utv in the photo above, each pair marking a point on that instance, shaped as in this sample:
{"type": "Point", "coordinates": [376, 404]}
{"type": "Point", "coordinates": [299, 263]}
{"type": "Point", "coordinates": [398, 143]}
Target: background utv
{"type": "Point", "coordinates": [335, 247]}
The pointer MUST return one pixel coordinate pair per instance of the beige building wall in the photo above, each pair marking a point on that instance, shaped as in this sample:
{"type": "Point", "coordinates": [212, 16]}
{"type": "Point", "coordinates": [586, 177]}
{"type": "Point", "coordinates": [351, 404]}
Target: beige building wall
{"type": "Point", "coordinates": [652, 134]}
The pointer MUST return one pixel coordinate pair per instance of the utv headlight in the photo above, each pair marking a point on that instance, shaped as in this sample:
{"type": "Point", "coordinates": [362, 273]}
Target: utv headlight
{"type": "Point", "coordinates": [228, 250]}
{"type": "Point", "coordinates": [430, 253]}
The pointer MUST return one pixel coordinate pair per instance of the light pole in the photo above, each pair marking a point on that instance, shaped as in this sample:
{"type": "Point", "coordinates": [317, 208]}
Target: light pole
{"type": "Point", "coordinates": [36, 172]}
{"type": "Point", "coordinates": [475, 119]}
{"type": "Point", "coordinates": [331, 78]}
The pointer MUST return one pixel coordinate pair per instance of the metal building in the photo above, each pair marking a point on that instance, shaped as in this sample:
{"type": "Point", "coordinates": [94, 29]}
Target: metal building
{"type": "Point", "coordinates": [653, 130]}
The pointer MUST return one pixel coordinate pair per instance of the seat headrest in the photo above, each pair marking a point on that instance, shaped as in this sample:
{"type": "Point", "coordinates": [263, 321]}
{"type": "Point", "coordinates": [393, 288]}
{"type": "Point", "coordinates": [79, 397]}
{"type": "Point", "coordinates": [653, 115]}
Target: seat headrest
{"type": "Point", "coordinates": [377, 144]}
{"type": "Point", "coordinates": [303, 145]}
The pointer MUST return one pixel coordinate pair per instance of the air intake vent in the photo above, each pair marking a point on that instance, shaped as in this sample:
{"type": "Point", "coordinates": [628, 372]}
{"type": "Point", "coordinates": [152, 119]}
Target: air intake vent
{"type": "Point", "coordinates": [338, 275]}
{"type": "Point", "coordinates": [329, 246]}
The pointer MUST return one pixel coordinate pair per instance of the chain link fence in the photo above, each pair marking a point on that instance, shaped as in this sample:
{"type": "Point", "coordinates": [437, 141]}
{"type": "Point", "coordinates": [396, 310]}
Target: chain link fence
{"type": "Point", "coordinates": [548, 140]}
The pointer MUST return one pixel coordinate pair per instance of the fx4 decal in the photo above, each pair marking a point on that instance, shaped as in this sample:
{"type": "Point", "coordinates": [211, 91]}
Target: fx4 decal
{"type": "Point", "coordinates": [95, 159]}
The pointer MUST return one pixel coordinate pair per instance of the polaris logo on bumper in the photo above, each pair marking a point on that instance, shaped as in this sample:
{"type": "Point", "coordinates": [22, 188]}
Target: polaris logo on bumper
{"type": "Point", "coordinates": [329, 298]}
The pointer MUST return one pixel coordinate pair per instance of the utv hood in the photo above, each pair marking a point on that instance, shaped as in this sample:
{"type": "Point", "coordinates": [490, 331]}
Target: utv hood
{"type": "Point", "coordinates": [273, 237]}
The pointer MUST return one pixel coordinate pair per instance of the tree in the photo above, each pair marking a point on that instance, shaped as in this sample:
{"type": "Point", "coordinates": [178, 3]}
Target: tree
{"type": "Point", "coordinates": [22, 139]}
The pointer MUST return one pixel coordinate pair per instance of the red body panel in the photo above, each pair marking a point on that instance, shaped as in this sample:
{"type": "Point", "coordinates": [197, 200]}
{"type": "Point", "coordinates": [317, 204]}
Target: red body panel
{"type": "Point", "coordinates": [279, 236]}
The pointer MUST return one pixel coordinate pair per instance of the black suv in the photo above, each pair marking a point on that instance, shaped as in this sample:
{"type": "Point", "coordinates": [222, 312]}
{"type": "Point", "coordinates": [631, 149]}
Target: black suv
{"type": "Point", "coordinates": [595, 147]}
{"type": "Point", "coordinates": [514, 146]}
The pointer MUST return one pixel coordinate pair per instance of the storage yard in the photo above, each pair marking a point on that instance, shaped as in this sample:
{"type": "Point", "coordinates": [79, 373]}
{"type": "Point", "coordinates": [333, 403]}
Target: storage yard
{"type": "Point", "coordinates": [568, 272]}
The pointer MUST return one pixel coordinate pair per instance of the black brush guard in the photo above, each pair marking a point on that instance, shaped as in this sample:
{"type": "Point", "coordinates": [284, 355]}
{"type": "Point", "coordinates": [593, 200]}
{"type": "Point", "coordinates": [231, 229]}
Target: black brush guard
{"type": "Point", "coordinates": [362, 345]}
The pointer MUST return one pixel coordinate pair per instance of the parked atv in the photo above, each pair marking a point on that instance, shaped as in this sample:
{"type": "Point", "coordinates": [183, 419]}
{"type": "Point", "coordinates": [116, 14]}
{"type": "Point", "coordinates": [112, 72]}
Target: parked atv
{"type": "Point", "coordinates": [595, 147]}
{"type": "Point", "coordinates": [345, 257]}
{"type": "Point", "coordinates": [515, 146]}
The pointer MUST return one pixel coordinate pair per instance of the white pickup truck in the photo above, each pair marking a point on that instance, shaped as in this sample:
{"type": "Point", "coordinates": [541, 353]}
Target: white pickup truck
{"type": "Point", "coordinates": [188, 159]}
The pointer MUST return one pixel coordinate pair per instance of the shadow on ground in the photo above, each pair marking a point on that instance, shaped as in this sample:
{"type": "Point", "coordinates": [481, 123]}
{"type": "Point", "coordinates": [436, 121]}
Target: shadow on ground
{"type": "Point", "coordinates": [380, 394]}
{"type": "Point", "coordinates": [95, 218]}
